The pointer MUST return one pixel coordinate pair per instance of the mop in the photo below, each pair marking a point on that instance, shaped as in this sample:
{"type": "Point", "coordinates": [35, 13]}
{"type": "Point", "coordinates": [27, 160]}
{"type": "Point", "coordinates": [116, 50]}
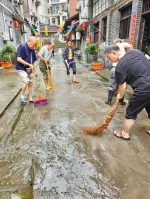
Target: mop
{"type": "Point", "coordinates": [40, 99]}
{"type": "Point", "coordinates": [97, 130]}
{"type": "Point", "coordinates": [50, 79]}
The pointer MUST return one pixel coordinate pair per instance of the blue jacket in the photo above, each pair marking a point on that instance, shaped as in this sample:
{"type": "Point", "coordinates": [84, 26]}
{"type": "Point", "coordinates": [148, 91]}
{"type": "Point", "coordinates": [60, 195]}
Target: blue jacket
{"type": "Point", "coordinates": [66, 53]}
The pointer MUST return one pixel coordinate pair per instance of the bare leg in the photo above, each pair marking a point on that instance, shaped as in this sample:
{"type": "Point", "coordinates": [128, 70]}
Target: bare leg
{"type": "Point", "coordinates": [30, 85]}
{"type": "Point", "coordinates": [69, 80]}
{"type": "Point", "coordinates": [24, 89]}
{"type": "Point", "coordinates": [74, 77]}
{"type": "Point", "coordinates": [125, 133]}
{"type": "Point", "coordinates": [46, 82]}
{"type": "Point", "coordinates": [127, 127]}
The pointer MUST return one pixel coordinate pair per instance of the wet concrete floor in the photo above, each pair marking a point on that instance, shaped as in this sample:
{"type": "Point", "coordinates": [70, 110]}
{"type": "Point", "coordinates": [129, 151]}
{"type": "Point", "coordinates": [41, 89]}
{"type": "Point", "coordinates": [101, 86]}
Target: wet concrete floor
{"type": "Point", "coordinates": [44, 156]}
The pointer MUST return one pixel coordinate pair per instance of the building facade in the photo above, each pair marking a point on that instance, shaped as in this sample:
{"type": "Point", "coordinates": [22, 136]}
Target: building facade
{"type": "Point", "coordinates": [16, 18]}
{"type": "Point", "coordinates": [52, 12]}
{"type": "Point", "coordinates": [110, 19]}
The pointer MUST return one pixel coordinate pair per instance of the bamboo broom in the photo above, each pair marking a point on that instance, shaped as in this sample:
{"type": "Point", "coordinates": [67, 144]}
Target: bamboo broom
{"type": "Point", "coordinates": [50, 79]}
{"type": "Point", "coordinates": [40, 99]}
{"type": "Point", "coordinates": [97, 130]}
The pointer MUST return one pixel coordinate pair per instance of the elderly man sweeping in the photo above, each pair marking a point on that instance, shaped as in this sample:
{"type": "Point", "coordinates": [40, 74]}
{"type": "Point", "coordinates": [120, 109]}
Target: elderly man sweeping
{"type": "Point", "coordinates": [133, 68]}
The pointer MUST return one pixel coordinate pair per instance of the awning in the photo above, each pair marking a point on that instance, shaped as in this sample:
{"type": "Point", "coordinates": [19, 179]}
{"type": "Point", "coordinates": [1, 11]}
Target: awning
{"type": "Point", "coordinates": [69, 20]}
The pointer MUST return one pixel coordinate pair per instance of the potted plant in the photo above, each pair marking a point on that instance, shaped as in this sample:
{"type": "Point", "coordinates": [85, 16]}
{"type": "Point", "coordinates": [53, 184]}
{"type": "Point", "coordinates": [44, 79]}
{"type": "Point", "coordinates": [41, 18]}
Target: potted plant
{"type": "Point", "coordinates": [5, 53]}
{"type": "Point", "coordinates": [93, 50]}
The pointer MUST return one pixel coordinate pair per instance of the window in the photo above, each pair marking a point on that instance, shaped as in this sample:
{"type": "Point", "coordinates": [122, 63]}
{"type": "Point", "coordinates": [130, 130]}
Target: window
{"type": "Point", "coordinates": [146, 6]}
{"type": "Point", "coordinates": [54, 9]}
{"type": "Point", "coordinates": [58, 20]}
{"type": "Point", "coordinates": [48, 11]}
{"type": "Point", "coordinates": [53, 20]}
{"type": "Point", "coordinates": [64, 18]}
{"type": "Point", "coordinates": [125, 22]}
{"type": "Point", "coordinates": [104, 21]}
{"type": "Point", "coordinates": [54, 1]}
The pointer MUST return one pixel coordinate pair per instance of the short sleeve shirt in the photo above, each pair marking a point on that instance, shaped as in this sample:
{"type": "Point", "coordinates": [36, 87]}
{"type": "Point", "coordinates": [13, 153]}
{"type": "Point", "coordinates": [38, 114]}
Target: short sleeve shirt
{"type": "Point", "coordinates": [133, 68]}
{"type": "Point", "coordinates": [47, 54]}
{"type": "Point", "coordinates": [28, 55]}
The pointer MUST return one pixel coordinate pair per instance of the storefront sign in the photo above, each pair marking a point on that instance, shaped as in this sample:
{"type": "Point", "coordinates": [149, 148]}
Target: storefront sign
{"type": "Point", "coordinates": [78, 35]}
{"type": "Point", "coordinates": [134, 9]}
{"type": "Point", "coordinates": [73, 37]}
{"type": "Point", "coordinates": [133, 28]}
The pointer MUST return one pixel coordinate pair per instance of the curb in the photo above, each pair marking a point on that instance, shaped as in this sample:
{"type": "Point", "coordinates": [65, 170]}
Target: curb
{"type": "Point", "coordinates": [11, 101]}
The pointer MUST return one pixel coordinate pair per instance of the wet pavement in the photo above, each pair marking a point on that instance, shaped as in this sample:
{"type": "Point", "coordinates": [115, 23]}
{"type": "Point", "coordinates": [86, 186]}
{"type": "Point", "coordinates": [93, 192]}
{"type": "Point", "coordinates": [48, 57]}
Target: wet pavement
{"type": "Point", "coordinates": [44, 156]}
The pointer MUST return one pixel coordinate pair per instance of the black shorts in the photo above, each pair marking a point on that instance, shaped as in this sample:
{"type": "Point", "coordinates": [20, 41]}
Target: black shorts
{"type": "Point", "coordinates": [137, 103]}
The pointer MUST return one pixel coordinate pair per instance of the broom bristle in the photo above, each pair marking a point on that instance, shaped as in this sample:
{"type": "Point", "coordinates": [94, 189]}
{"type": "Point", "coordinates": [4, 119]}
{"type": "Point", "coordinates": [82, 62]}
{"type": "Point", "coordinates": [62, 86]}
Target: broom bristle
{"type": "Point", "coordinates": [40, 100]}
{"type": "Point", "coordinates": [51, 81]}
{"type": "Point", "coordinates": [97, 130]}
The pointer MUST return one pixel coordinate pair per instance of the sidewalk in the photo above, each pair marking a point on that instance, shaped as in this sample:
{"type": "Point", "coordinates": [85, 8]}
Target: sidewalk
{"type": "Point", "coordinates": [10, 86]}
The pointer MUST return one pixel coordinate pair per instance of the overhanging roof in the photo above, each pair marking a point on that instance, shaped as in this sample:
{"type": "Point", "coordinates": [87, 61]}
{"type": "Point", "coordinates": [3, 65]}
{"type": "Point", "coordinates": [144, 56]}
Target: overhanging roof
{"type": "Point", "coordinates": [70, 19]}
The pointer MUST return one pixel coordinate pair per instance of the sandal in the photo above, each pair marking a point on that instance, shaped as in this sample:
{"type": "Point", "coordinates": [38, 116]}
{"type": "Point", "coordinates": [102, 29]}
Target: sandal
{"type": "Point", "coordinates": [69, 82]}
{"type": "Point", "coordinates": [23, 100]}
{"type": "Point", "coordinates": [120, 134]}
{"type": "Point", "coordinates": [148, 132]}
{"type": "Point", "coordinates": [31, 101]}
{"type": "Point", "coordinates": [75, 81]}
{"type": "Point", "coordinates": [48, 88]}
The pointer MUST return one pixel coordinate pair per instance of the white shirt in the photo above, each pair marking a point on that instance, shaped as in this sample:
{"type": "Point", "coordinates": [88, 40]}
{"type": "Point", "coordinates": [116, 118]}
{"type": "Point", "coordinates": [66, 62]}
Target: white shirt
{"type": "Point", "coordinates": [46, 53]}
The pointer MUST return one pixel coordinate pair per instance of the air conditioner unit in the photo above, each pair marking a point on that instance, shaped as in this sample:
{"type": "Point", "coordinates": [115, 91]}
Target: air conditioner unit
{"type": "Point", "coordinates": [6, 36]}
{"type": "Point", "coordinates": [59, 12]}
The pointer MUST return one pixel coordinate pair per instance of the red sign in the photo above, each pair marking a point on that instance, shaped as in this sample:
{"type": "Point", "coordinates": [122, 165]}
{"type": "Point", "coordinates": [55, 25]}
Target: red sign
{"type": "Point", "coordinates": [133, 29]}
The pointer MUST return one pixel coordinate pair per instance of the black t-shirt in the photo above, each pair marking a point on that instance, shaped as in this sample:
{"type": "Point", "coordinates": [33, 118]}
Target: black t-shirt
{"type": "Point", "coordinates": [134, 68]}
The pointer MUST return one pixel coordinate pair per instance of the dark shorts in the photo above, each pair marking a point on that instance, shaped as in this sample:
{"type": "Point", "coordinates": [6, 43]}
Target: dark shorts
{"type": "Point", "coordinates": [43, 69]}
{"type": "Point", "coordinates": [137, 103]}
{"type": "Point", "coordinates": [72, 64]}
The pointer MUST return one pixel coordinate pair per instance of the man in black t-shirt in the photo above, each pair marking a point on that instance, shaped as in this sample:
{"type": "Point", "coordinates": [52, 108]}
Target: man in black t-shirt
{"type": "Point", "coordinates": [133, 68]}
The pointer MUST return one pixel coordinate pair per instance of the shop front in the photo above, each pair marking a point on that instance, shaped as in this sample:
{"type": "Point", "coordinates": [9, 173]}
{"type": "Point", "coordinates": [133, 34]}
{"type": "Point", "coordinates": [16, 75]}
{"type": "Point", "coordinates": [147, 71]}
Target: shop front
{"type": "Point", "coordinates": [144, 34]}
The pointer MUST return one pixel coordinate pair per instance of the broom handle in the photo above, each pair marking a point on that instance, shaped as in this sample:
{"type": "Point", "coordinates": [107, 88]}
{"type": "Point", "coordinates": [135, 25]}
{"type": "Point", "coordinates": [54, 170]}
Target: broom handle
{"type": "Point", "coordinates": [37, 87]}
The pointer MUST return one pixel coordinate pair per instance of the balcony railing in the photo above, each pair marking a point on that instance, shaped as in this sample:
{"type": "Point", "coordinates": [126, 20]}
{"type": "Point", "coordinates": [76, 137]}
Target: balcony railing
{"type": "Point", "coordinates": [58, 2]}
{"type": "Point", "coordinates": [7, 4]}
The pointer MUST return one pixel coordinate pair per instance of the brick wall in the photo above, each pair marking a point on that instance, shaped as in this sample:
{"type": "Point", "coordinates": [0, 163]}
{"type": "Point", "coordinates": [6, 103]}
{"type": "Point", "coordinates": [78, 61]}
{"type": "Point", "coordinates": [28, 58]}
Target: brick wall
{"type": "Point", "coordinates": [72, 9]}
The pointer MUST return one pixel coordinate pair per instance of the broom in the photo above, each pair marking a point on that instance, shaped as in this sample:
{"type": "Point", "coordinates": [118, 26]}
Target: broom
{"type": "Point", "coordinates": [50, 79]}
{"type": "Point", "coordinates": [40, 99]}
{"type": "Point", "coordinates": [97, 130]}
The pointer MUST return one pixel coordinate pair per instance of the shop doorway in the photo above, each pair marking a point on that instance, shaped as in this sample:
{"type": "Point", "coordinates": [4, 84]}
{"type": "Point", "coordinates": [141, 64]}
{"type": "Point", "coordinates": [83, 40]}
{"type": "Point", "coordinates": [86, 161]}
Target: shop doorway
{"type": "Point", "coordinates": [144, 34]}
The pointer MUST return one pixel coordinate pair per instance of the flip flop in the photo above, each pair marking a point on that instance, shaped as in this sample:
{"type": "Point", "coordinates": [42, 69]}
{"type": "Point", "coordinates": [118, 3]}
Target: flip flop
{"type": "Point", "coordinates": [69, 82]}
{"type": "Point", "coordinates": [31, 101]}
{"type": "Point", "coordinates": [119, 134]}
{"type": "Point", "coordinates": [148, 132]}
{"type": "Point", "coordinates": [23, 100]}
{"type": "Point", "coordinates": [75, 81]}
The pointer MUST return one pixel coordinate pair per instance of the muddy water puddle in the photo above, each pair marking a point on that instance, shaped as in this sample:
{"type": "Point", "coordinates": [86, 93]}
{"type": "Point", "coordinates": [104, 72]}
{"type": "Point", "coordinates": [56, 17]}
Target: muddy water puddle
{"type": "Point", "coordinates": [72, 169]}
